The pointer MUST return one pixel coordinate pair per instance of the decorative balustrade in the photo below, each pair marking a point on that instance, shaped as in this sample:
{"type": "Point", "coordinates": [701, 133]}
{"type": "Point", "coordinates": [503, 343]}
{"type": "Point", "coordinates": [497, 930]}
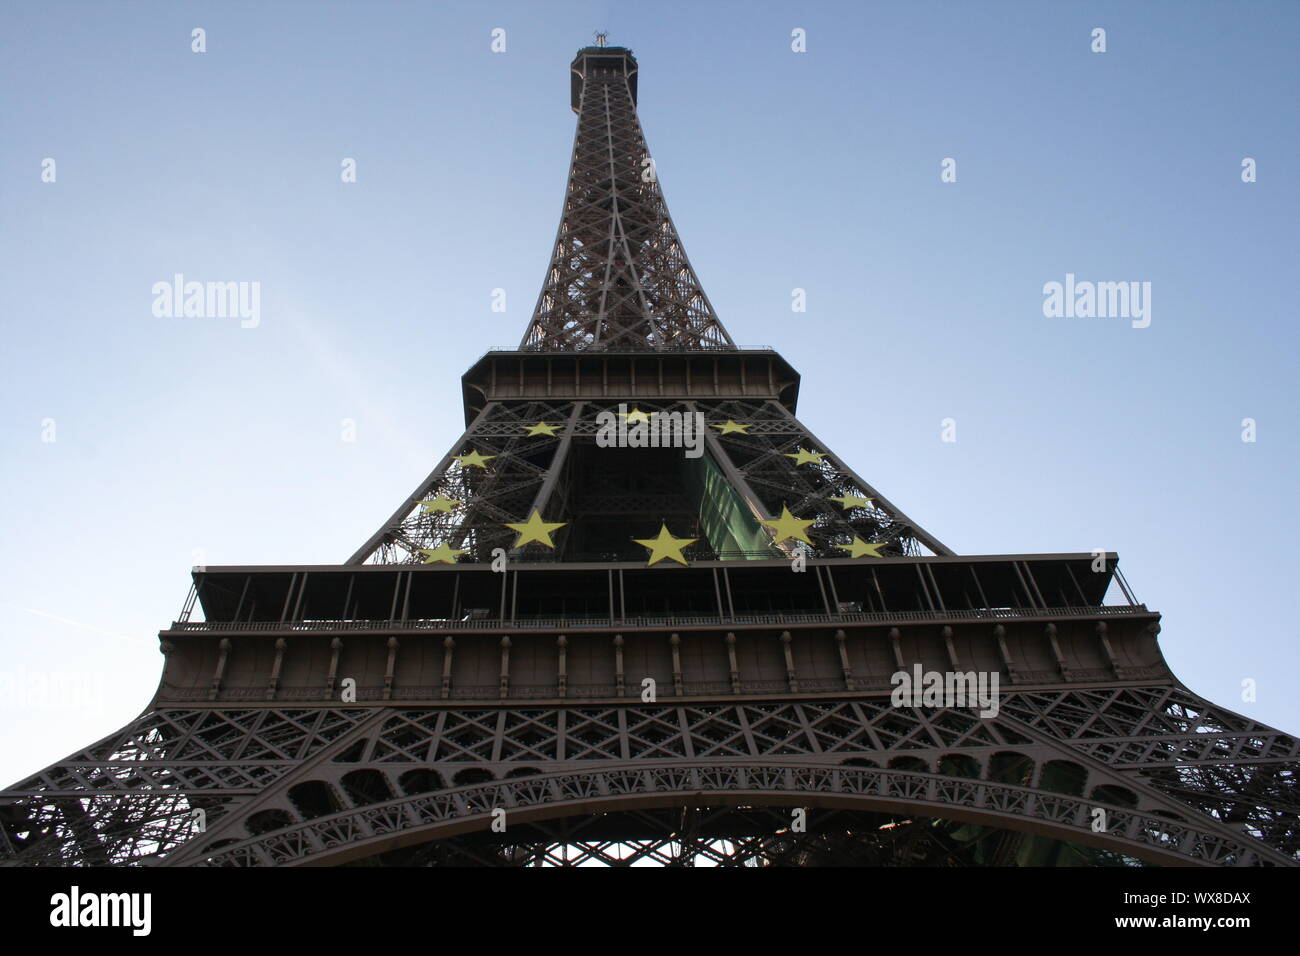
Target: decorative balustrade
{"type": "Point", "coordinates": [651, 621]}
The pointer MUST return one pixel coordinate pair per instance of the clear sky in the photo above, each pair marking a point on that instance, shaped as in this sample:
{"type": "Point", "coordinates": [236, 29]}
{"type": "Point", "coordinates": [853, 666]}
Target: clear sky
{"type": "Point", "coordinates": [182, 441]}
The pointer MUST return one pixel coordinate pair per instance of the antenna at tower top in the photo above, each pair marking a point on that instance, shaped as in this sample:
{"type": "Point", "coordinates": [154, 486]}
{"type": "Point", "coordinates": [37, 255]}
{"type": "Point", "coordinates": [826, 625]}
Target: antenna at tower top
{"type": "Point", "coordinates": [602, 37]}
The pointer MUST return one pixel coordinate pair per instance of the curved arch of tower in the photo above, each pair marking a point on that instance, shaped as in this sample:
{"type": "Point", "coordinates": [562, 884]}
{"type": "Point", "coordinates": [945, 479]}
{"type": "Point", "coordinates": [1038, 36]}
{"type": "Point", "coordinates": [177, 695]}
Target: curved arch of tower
{"type": "Point", "coordinates": [640, 613]}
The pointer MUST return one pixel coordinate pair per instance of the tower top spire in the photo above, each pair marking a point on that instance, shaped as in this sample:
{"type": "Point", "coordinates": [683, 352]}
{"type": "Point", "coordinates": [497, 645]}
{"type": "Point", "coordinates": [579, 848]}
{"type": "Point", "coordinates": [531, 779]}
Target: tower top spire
{"type": "Point", "coordinates": [619, 277]}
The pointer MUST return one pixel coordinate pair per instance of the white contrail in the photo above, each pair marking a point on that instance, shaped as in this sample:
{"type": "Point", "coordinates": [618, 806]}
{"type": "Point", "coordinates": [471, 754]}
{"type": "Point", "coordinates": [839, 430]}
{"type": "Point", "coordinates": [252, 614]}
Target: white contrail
{"type": "Point", "coordinates": [84, 627]}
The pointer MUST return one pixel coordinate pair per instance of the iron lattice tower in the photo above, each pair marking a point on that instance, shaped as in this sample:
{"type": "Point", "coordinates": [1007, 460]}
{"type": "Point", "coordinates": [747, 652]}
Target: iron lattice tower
{"type": "Point", "coordinates": [380, 711]}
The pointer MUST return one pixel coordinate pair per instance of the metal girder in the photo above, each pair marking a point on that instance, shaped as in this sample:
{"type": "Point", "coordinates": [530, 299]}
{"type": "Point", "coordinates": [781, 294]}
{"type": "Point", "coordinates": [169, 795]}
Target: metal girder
{"type": "Point", "coordinates": [1180, 779]}
{"type": "Point", "coordinates": [618, 276]}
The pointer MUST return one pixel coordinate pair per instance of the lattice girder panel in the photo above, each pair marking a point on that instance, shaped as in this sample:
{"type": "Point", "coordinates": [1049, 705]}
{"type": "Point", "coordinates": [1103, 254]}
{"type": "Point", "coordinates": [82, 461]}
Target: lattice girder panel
{"type": "Point", "coordinates": [619, 276]}
{"type": "Point", "coordinates": [528, 800]}
{"type": "Point", "coordinates": [762, 456]}
{"type": "Point", "coordinates": [132, 795]}
{"type": "Point", "coordinates": [504, 742]}
{"type": "Point", "coordinates": [485, 498]}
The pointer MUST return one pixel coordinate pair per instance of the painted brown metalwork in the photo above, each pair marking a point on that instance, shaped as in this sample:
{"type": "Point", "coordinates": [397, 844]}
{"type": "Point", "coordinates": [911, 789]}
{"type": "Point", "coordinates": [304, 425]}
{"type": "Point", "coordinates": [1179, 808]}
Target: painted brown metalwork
{"type": "Point", "coordinates": [736, 710]}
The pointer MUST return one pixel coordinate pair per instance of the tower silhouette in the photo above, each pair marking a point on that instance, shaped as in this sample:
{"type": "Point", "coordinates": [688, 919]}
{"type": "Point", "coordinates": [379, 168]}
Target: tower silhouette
{"type": "Point", "coordinates": [639, 612]}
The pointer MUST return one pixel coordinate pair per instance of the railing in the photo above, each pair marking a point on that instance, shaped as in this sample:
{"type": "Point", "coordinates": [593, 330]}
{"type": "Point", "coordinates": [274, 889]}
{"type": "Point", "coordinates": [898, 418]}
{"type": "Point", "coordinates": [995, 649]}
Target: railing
{"type": "Point", "coordinates": [647, 350]}
{"type": "Point", "coordinates": [592, 622]}
{"type": "Point", "coordinates": [692, 555]}
{"type": "Point", "coordinates": [578, 693]}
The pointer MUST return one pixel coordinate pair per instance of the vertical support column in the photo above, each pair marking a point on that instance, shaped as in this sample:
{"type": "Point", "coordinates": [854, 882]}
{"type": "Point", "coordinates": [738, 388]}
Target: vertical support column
{"type": "Point", "coordinates": [790, 676]}
{"type": "Point", "coordinates": [223, 647]}
{"type": "Point", "coordinates": [733, 669]}
{"type": "Point", "coordinates": [1024, 585]}
{"type": "Point", "coordinates": [898, 651]}
{"type": "Point", "coordinates": [406, 596]}
{"type": "Point", "coordinates": [1033, 582]}
{"type": "Point", "coordinates": [676, 643]}
{"type": "Point", "coordinates": [248, 579]}
{"type": "Point", "coordinates": [952, 651]}
{"type": "Point", "coordinates": [1106, 649]}
{"type": "Point", "coordinates": [845, 668]}
{"type": "Point", "coordinates": [826, 601]}
{"type": "Point", "coordinates": [934, 584]}
{"type": "Point", "coordinates": [331, 679]}
{"type": "Point", "coordinates": [448, 650]}
{"type": "Point", "coordinates": [297, 604]}
{"type": "Point", "coordinates": [390, 668]}
{"type": "Point", "coordinates": [505, 667]}
{"type": "Point", "coordinates": [562, 681]}
{"type": "Point", "coordinates": [1050, 631]}
{"type": "Point", "coordinates": [1083, 598]}
{"type": "Point", "coordinates": [984, 601]}
{"type": "Point", "coordinates": [347, 599]}
{"type": "Point", "coordinates": [618, 665]}
{"type": "Point", "coordinates": [166, 648]}
{"type": "Point", "coordinates": [1000, 633]}
{"type": "Point", "coordinates": [879, 591]}
{"type": "Point", "coordinates": [835, 595]}
{"type": "Point", "coordinates": [288, 597]}
{"type": "Point", "coordinates": [397, 593]}
{"type": "Point", "coordinates": [280, 645]}
{"type": "Point", "coordinates": [925, 588]}
{"type": "Point", "coordinates": [731, 605]}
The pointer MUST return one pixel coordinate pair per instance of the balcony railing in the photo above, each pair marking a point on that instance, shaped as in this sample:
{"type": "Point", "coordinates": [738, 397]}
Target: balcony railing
{"type": "Point", "coordinates": [794, 618]}
{"type": "Point", "coordinates": [646, 350]}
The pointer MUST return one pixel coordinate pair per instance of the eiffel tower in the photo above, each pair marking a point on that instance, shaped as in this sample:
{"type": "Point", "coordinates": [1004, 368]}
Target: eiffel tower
{"type": "Point", "coordinates": [675, 646]}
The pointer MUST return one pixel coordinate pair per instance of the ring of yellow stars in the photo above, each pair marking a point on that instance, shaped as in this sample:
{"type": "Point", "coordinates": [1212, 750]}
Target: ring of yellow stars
{"type": "Point", "coordinates": [473, 460]}
{"type": "Point", "coordinates": [440, 504]}
{"type": "Point", "coordinates": [788, 526]}
{"type": "Point", "coordinates": [852, 501]}
{"type": "Point", "coordinates": [442, 554]}
{"type": "Point", "coordinates": [665, 546]}
{"type": "Point", "coordinates": [535, 529]}
{"type": "Point", "coordinates": [636, 415]}
{"type": "Point", "coordinates": [862, 549]}
{"type": "Point", "coordinates": [541, 428]}
{"type": "Point", "coordinates": [806, 457]}
{"type": "Point", "coordinates": [733, 428]}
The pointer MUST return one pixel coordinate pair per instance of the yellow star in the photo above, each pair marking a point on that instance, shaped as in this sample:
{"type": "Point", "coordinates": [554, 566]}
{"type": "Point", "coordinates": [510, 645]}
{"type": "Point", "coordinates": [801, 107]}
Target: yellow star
{"type": "Point", "coordinates": [636, 415]}
{"type": "Point", "coordinates": [535, 529]}
{"type": "Point", "coordinates": [442, 554]}
{"type": "Point", "coordinates": [440, 503]}
{"type": "Point", "coordinates": [473, 460]}
{"type": "Point", "coordinates": [731, 427]}
{"type": "Point", "coordinates": [664, 546]}
{"type": "Point", "coordinates": [852, 501]}
{"type": "Point", "coordinates": [788, 526]}
{"type": "Point", "coordinates": [806, 457]}
{"type": "Point", "coordinates": [541, 428]}
{"type": "Point", "coordinates": [860, 548]}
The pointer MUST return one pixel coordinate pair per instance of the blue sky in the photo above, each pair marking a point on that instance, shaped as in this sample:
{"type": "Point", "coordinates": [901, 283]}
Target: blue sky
{"type": "Point", "coordinates": [187, 440]}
